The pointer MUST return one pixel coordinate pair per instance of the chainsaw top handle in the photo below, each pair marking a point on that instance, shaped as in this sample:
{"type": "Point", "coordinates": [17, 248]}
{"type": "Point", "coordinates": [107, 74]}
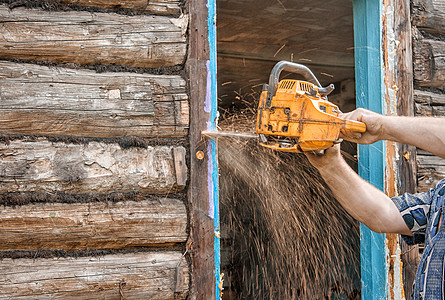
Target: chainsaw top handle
{"type": "Point", "coordinates": [294, 68]}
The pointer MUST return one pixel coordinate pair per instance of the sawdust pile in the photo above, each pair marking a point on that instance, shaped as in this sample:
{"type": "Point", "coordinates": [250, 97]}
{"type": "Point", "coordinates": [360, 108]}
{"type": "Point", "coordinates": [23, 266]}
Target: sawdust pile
{"type": "Point", "coordinates": [284, 235]}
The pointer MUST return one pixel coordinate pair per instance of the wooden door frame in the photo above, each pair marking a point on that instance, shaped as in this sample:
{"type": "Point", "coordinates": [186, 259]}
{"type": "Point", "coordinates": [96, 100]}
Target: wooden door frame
{"type": "Point", "coordinates": [203, 188]}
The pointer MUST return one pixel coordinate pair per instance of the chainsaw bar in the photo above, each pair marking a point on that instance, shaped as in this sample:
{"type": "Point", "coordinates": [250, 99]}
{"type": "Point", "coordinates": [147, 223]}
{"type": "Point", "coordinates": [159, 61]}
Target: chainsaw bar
{"type": "Point", "coordinates": [243, 135]}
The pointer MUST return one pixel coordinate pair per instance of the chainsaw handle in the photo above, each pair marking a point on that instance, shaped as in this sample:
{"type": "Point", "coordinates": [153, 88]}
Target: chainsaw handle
{"type": "Point", "coordinates": [354, 126]}
{"type": "Point", "coordinates": [294, 68]}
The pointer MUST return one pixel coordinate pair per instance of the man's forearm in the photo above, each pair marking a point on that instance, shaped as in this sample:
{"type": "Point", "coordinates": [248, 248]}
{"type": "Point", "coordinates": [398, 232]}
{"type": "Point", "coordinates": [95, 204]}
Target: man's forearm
{"type": "Point", "coordinates": [427, 133]}
{"type": "Point", "coordinates": [363, 201]}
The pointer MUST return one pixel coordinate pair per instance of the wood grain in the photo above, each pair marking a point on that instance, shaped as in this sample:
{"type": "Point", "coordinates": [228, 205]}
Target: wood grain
{"type": "Point", "coordinates": [429, 98]}
{"type": "Point", "coordinates": [406, 174]}
{"type": "Point", "coordinates": [431, 169]}
{"type": "Point", "coordinates": [122, 276]}
{"type": "Point", "coordinates": [60, 101]}
{"type": "Point", "coordinates": [201, 221]}
{"type": "Point", "coordinates": [99, 225]}
{"type": "Point", "coordinates": [31, 166]}
{"type": "Point", "coordinates": [429, 15]}
{"type": "Point", "coordinates": [158, 7]}
{"type": "Point", "coordinates": [429, 62]}
{"type": "Point", "coordinates": [429, 104]}
{"type": "Point", "coordinates": [92, 38]}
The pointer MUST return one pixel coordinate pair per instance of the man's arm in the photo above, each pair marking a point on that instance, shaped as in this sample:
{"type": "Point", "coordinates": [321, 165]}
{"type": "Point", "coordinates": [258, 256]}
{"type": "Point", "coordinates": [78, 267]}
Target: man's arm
{"type": "Point", "coordinates": [363, 201]}
{"type": "Point", "coordinates": [427, 133]}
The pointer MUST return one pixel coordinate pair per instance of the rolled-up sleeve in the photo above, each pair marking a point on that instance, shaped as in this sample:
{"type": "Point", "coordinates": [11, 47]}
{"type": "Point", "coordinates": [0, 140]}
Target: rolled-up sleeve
{"type": "Point", "coordinates": [415, 211]}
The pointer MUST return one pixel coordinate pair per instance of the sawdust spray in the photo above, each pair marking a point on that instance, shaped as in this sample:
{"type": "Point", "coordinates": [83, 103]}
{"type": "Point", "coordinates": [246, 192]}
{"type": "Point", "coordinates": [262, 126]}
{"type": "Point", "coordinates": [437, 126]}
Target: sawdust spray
{"type": "Point", "coordinates": [284, 235]}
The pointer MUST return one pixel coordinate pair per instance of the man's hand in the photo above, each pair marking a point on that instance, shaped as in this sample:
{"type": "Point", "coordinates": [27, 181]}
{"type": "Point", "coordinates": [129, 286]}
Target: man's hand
{"type": "Point", "coordinates": [330, 157]}
{"type": "Point", "coordinates": [374, 126]}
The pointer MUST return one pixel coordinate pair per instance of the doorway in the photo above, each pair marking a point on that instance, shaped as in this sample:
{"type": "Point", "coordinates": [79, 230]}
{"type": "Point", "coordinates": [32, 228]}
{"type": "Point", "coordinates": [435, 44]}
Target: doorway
{"type": "Point", "coordinates": [272, 248]}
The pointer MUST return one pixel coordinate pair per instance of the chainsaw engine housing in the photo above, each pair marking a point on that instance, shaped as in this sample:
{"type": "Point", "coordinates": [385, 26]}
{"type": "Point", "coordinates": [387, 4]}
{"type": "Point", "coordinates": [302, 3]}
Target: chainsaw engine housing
{"type": "Point", "coordinates": [297, 118]}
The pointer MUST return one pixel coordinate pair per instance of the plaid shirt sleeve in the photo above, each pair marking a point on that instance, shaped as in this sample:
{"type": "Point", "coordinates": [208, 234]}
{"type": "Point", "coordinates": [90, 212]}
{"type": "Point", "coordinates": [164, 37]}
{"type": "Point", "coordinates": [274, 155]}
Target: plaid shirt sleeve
{"type": "Point", "coordinates": [415, 210]}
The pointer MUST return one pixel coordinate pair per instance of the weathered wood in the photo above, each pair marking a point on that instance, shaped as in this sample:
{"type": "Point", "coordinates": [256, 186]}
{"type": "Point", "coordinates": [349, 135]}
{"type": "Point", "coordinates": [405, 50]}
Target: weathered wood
{"type": "Point", "coordinates": [130, 276]}
{"type": "Point", "coordinates": [429, 62]}
{"type": "Point", "coordinates": [100, 225]}
{"type": "Point", "coordinates": [429, 98]}
{"type": "Point", "coordinates": [406, 163]}
{"type": "Point", "coordinates": [29, 166]}
{"type": "Point", "coordinates": [59, 101]}
{"type": "Point", "coordinates": [431, 169]}
{"type": "Point", "coordinates": [201, 224]}
{"type": "Point", "coordinates": [180, 166]}
{"type": "Point", "coordinates": [429, 103]}
{"type": "Point", "coordinates": [92, 38]}
{"type": "Point", "coordinates": [430, 111]}
{"type": "Point", "coordinates": [429, 15]}
{"type": "Point", "coordinates": [158, 7]}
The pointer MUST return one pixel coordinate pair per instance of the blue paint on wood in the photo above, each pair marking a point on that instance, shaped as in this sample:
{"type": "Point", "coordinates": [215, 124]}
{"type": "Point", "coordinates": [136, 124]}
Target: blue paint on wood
{"type": "Point", "coordinates": [369, 95]}
{"type": "Point", "coordinates": [211, 125]}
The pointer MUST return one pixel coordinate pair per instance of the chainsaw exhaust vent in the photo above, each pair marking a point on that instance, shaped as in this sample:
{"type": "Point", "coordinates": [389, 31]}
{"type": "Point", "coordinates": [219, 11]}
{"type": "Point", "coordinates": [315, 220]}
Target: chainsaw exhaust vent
{"type": "Point", "coordinates": [295, 86]}
{"type": "Point", "coordinates": [286, 84]}
{"type": "Point", "coordinates": [305, 86]}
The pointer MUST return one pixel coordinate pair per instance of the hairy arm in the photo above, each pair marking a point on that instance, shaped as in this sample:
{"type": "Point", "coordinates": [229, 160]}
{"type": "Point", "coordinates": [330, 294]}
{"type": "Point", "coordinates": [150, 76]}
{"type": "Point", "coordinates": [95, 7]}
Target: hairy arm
{"type": "Point", "coordinates": [427, 133]}
{"type": "Point", "coordinates": [363, 201]}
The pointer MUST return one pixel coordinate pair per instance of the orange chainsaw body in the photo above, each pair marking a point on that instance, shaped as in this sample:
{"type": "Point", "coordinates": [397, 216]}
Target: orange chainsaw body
{"type": "Point", "coordinates": [297, 118]}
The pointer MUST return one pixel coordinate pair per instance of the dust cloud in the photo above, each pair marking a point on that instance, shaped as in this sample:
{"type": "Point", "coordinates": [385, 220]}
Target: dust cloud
{"type": "Point", "coordinates": [284, 235]}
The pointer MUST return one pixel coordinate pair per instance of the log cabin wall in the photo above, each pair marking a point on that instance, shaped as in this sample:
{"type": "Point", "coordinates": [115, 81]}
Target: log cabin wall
{"type": "Point", "coordinates": [94, 118]}
{"type": "Point", "coordinates": [428, 21]}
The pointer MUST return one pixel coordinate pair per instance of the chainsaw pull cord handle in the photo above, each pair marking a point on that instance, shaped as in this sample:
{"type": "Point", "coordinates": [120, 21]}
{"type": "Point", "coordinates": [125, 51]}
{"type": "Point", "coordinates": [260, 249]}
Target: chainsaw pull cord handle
{"type": "Point", "coordinates": [294, 68]}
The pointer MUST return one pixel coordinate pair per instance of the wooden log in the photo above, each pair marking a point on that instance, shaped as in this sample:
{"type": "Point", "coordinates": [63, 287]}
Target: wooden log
{"type": "Point", "coordinates": [99, 225]}
{"type": "Point", "coordinates": [429, 98]}
{"type": "Point", "coordinates": [32, 166]}
{"type": "Point", "coordinates": [431, 169]}
{"type": "Point", "coordinates": [429, 62]}
{"type": "Point", "coordinates": [122, 276]}
{"type": "Point", "coordinates": [430, 111]}
{"type": "Point", "coordinates": [92, 38]}
{"type": "Point", "coordinates": [429, 15]}
{"type": "Point", "coordinates": [59, 101]}
{"type": "Point", "coordinates": [158, 7]}
{"type": "Point", "coordinates": [429, 103]}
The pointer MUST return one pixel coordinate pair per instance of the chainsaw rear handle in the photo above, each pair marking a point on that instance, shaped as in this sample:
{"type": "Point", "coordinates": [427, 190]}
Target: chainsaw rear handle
{"type": "Point", "coordinates": [354, 126]}
{"type": "Point", "coordinates": [294, 68]}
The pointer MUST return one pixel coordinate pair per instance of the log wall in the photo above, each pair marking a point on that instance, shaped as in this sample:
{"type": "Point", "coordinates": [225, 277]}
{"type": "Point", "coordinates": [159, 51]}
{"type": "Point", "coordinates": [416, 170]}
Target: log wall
{"type": "Point", "coordinates": [93, 104]}
{"type": "Point", "coordinates": [428, 21]}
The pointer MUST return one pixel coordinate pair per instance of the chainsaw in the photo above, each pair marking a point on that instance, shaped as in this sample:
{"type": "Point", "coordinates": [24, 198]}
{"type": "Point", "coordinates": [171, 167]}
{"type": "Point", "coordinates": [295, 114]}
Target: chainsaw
{"type": "Point", "coordinates": [295, 115]}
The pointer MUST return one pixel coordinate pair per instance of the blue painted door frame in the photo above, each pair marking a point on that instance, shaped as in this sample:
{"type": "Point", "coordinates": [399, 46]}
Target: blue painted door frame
{"type": "Point", "coordinates": [371, 158]}
{"type": "Point", "coordinates": [212, 108]}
